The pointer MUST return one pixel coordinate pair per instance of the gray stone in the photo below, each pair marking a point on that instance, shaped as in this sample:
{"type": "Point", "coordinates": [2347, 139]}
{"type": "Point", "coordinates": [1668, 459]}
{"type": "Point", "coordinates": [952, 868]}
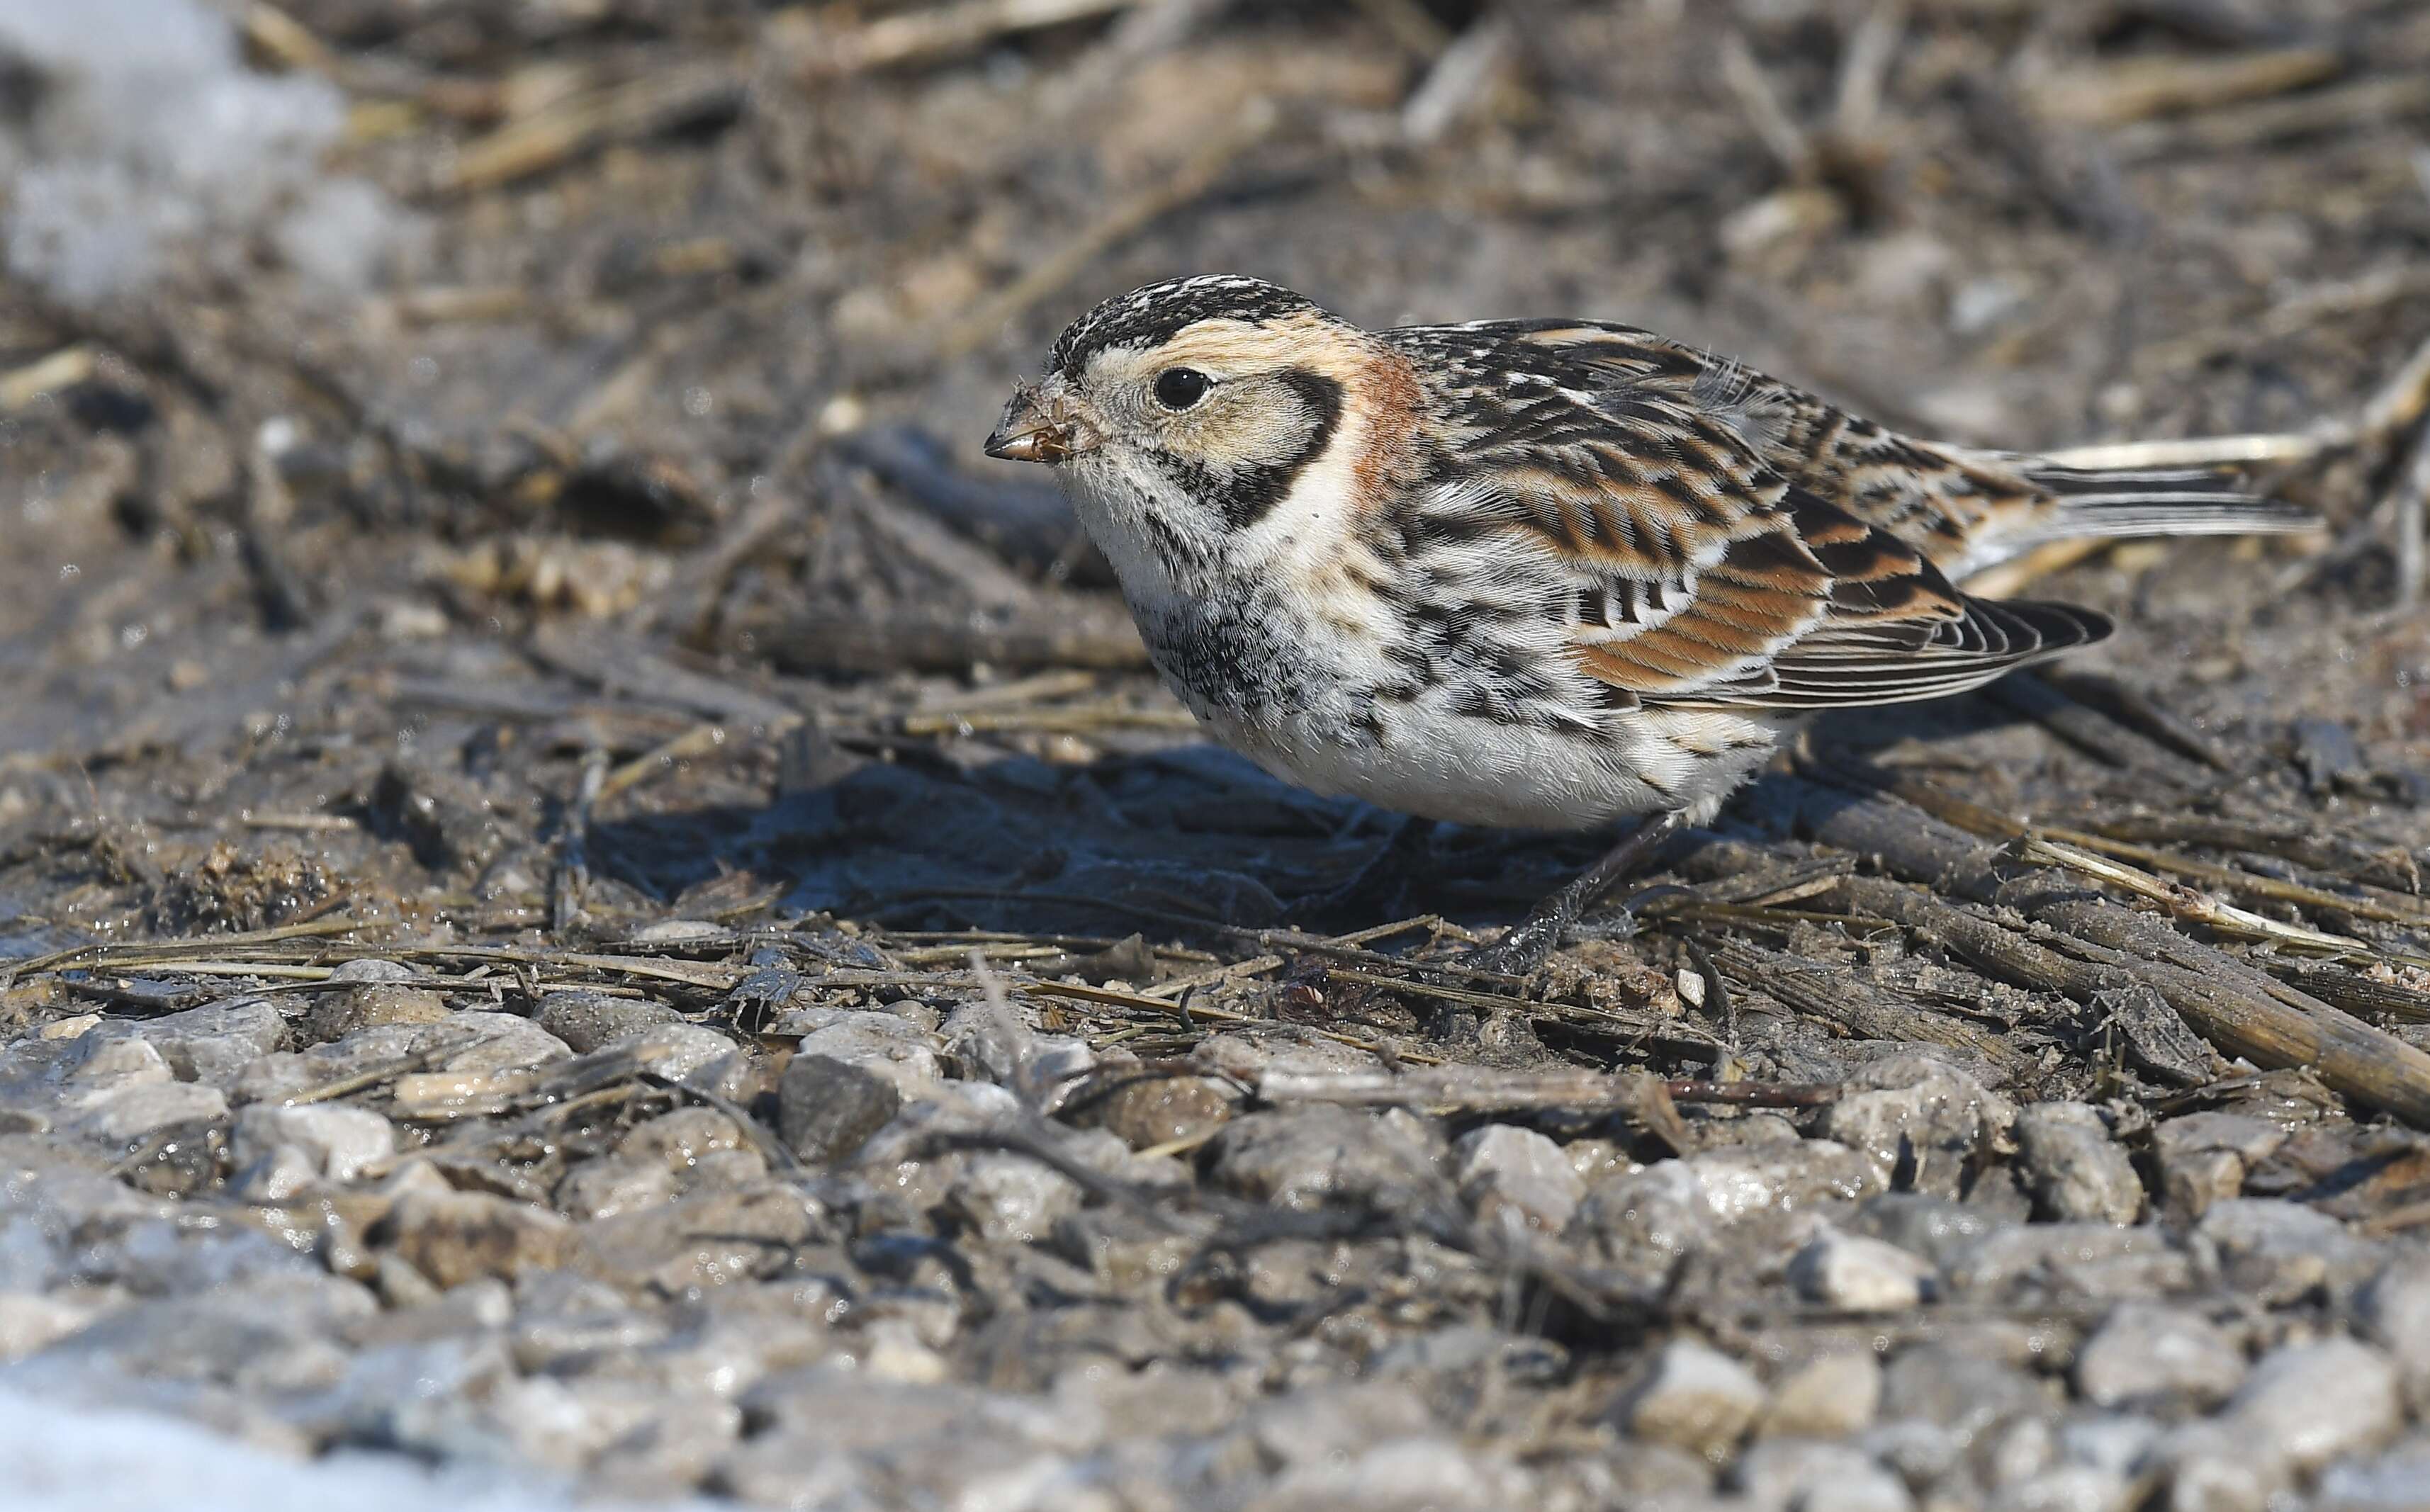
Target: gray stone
{"type": "Point", "coordinates": [214, 1043]}
{"type": "Point", "coordinates": [921, 1016]}
{"type": "Point", "coordinates": [340, 1141]}
{"type": "Point", "coordinates": [996, 1042]}
{"type": "Point", "coordinates": [570, 1321]}
{"type": "Point", "coordinates": [1938, 1228]}
{"type": "Point", "coordinates": [1154, 1401]}
{"type": "Point", "coordinates": [2019, 1449]}
{"type": "Point", "coordinates": [95, 1062]}
{"type": "Point", "coordinates": [2307, 1404]}
{"type": "Point", "coordinates": [1642, 1223]}
{"type": "Point", "coordinates": [464, 1042]}
{"type": "Point", "coordinates": [851, 1414]}
{"type": "Point", "coordinates": [879, 1043]}
{"type": "Point", "coordinates": [128, 1113]}
{"type": "Point", "coordinates": [1310, 1157]}
{"type": "Point", "coordinates": [742, 1335]}
{"type": "Point", "coordinates": [2155, 1354]}
{"type": "Point", "coordinates": [2207, 1466]}
{"type": "Point", "coordinates": [2281, 1251]}
{"type": "Point", "coordinates": [1504, 1169]}
{"type": "Point", "coordinates": [1831, 1396]}
{"type": "Point", "coordinates": [2075, 1171]}
{"type": "Point", "coordinates": [2082, 1260]}
{"type": "Point", "coordinates": [668, 1453]}
{"type": "Point", "coordinates": [1462, 1349]}
{"type": "Point", "coordinates": [2117, 1442]}
{"type": "Point", "coordinates": [728, 1170]}
{"type": "Point", "coordinates": [1924, 1123]}
{"type": "Point", "coordinates": [1645, 1223]}
{"type": "Point", "coordinates": [2067, 1489]}
{"type": "Point", "coordinates": [1146, 1109]}
{"type": "Point", "coordinates": [1972, 1396]}
{"type": "Point", "coordinates": [457, 1236]}
{"type": "Point", "coordinates": [340, 1014]}
{"type": "Point", "coordinates": [1695, 1398]}
{"type": "Point", "coordinates": [680, 1052]}
{"type": "Point", "coordinates": [496, 1041]}
{"type": "Point", "coordinates": [425, 1397]}
{"type": "Point", "coordinates": [1634, 1474]}
{"type": "Point", "coordinates": [1333, 1422]}
{"type": "Point", "coordinates": [367, 969]}
{"type": "Point", "coordinates": [1427, 1471]}
{"type": "Point", "coordinates": [826, 1109]}
{"type": "Point", "coordinates": [796, 1470]}
{"type": "Point", "coordinates": [741, 1074]}
{"type": "Point", "coordinates": [269, 1332]}
{"type": "Point", "coordinates": [476, 1307]}
{"type": "Point", "coordinates": [1808, 1475]}
{"type": "Point", "coordinates": [1123, 1250]}
{"type": "Point", "coordinates": [711, 1240]}
{"type": "Point", "coordinates": [1010, 1199]}
{"type": "Point", "coordinates": [372, 969]}
{"type": "Point", "coordinates": [1779, 1180]}
{"type": "Point", "coordinates": [2397, 1481]}
{"type": "Point", "coordinates": [2203, 1158]}
{"type": "Point", "coordinates": [96, 1234]}
{"type": "Point", "coordinates": [984, 1471]}
{"type": "Point", "coordinates": [1855, 1274]}
{"type": "Point", "coordinates": [602, 1188]}
{"type": "Point", "coordinates": [276, 1175]}
{"type": "Point", "coordinates": [2395, 1308]}
{"type": "Point", "coordinates": [588, 1021]}
{"type": "Point", "coordinates": [1924, 1453]}
{"type": "Point", "coordinates": [905, 1155]}
{"type": "Point", "coordinates": [681, 1139]}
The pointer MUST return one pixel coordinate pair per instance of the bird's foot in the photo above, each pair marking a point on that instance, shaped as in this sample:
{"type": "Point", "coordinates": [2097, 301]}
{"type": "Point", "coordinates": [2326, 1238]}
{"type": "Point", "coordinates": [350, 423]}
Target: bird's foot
{"type": "Point", "coordinates": [1531, 942]}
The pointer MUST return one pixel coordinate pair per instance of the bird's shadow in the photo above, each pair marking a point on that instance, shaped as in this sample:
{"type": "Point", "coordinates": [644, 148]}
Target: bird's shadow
{"type": "Point", "coordinates": [1172, 843]}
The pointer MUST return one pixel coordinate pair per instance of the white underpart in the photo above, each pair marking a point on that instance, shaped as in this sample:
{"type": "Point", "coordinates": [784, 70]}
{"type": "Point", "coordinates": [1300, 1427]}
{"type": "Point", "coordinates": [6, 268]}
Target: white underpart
{"type": "Point", "coordinates": [1578, 765]}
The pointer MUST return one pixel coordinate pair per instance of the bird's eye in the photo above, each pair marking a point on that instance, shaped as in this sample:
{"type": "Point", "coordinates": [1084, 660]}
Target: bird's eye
{"type": "Point", "coordinates": [1180, 387]}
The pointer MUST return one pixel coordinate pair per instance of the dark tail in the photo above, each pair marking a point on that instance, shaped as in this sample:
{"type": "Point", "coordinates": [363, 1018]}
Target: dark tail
{"type": "Point", "coordinates": [2152, 502]}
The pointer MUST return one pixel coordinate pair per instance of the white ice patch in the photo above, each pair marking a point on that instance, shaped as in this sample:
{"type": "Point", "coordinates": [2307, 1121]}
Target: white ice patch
{"type": "Point", "coordinates": [152, 139]}
{"type": "Point", "coordinates": [74, 1458]}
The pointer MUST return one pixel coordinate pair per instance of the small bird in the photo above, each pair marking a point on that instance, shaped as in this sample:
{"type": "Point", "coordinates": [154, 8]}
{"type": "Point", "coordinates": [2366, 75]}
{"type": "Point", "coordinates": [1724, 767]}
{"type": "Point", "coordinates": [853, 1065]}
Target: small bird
{"type": "Point", "coordinates": [1538, 573]}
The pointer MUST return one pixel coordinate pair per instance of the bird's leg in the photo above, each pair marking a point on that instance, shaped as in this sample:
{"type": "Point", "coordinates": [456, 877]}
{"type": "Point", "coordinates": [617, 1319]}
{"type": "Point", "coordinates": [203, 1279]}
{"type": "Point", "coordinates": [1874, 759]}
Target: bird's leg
{"type": "Point", "coordinates": [1535, 938]}
{"type": "Point", "coordinates": [1375, 892]}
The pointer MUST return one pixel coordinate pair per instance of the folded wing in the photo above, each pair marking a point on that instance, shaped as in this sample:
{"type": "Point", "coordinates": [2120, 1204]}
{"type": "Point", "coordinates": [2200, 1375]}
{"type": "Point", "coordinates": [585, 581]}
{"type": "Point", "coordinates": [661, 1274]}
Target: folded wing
{"type": "Point", "coordinates": [1965, 507]}
{"type": "Point", "coordinates": [1689, 570]}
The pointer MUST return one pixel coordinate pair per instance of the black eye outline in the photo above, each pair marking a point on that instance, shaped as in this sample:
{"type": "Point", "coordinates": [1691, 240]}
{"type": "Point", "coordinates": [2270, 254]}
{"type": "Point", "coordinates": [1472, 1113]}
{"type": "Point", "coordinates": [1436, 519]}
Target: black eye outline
{"type": "Point", "coordinates": [1180, 387]}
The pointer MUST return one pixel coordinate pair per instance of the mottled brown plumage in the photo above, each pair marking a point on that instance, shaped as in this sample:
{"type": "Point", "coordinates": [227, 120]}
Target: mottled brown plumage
{"type": "Point", "coordinates": [1538, 572]}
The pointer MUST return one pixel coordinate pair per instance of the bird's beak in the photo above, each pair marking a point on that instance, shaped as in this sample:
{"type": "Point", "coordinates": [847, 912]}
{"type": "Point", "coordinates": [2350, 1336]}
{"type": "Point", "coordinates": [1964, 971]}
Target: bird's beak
{"type": "Point", "coordinates": [1037, 426]}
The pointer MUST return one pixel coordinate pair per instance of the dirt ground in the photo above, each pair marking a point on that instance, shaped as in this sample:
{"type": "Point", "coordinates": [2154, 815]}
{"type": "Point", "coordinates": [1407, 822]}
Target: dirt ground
{"type": "Point", "coordinates": [598, 613]}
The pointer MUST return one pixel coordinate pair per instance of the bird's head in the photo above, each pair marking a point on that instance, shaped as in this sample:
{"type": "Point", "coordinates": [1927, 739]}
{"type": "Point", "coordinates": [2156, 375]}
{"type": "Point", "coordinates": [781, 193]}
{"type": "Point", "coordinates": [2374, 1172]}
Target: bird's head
{"type": "Point", "coordinates": [1201, 422]}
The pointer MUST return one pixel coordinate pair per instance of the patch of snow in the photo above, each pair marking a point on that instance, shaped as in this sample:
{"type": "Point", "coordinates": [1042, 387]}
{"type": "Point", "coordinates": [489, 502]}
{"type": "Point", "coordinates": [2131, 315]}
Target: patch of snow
{"type": "Point", "coordinates": [63, 1458]}
{"type": "Point", "coordinates": [153, 137]}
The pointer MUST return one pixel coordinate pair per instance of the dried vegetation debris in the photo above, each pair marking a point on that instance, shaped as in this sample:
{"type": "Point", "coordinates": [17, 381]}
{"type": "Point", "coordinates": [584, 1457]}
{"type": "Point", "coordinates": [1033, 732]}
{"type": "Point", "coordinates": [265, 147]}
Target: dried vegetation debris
{"type": "Point", "coordinates": [575, 889]}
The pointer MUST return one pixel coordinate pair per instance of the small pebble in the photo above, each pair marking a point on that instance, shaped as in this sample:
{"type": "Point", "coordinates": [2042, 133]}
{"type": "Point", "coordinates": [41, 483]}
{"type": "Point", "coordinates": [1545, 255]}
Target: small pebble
{"type": "Point", "coordinates": [457, 1236]}
{"type": "Point", "coordinates": [2156, 1353]}
{"type": "Point", "coordinates": [1832, 1396]}
{"type": "Point", "coordinates": [1850, 1274]}
{"type": "Point", "coordinates": [1502, 1168]}
{"type": "Point", "coordinates": [2309, 1403]}
{"type": "Point", "coordinates": [2076, 1172]}
{"type": "Point", "coordinates": [1695, 1398]}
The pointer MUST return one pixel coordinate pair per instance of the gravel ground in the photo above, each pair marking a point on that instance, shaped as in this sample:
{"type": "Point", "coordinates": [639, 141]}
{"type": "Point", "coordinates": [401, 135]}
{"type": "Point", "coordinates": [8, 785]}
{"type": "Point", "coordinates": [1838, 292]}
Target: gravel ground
{"type": "Point", "coordinates": [589, 898]}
